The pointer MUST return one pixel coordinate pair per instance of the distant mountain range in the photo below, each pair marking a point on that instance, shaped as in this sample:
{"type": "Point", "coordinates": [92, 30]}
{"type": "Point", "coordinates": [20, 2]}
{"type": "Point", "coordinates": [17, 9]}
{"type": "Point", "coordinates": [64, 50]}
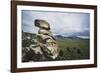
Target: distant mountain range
{"type": "Point", "coordinates": [32, 35]}
{"type": "Point", "coordinates": [70, 37]}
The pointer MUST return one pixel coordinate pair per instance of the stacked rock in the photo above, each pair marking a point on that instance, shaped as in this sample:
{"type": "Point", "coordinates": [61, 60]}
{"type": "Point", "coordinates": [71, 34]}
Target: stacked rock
{"type": "Point", "coordinates": [45, 39]}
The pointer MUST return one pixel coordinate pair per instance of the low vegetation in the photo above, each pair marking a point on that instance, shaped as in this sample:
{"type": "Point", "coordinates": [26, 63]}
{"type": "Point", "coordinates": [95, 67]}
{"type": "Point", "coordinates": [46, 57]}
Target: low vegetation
{"type": "Point", "coordinates": [70, 49]}
{"type": "Point", "coordinates": [74, 49]}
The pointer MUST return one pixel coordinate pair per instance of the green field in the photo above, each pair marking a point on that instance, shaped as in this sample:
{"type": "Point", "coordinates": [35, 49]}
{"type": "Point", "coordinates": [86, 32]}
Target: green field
{"type": "Point", "coordinates": [73, 49]}
{"type": "Point", "coordinates": [70, 49]}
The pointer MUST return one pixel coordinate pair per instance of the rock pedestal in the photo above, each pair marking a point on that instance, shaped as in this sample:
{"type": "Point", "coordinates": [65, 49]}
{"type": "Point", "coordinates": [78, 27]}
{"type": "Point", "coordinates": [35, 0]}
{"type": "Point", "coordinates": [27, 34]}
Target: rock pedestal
{"type": "Point", "coordinates": [45, 39]}
{"type": "Point", "coordinates": [43, 47]}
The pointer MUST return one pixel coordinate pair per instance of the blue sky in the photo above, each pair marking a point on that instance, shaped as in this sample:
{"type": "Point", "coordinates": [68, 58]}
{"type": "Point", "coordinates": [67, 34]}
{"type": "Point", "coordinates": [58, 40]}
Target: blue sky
{"type": "Point", "coordinates": [61, 23]}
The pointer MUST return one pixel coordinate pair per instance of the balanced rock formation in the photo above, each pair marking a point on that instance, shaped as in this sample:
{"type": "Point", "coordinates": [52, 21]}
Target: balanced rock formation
{"type": "Point", "coordinates": [45, 39]}
{"type": "Point", "coordinates": [41, 48]}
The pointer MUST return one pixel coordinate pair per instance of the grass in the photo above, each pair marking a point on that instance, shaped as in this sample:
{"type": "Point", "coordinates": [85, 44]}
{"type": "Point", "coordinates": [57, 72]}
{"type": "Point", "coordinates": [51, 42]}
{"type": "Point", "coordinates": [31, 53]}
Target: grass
{"type": "Point", "coordinates": [70, 49]}
{"type": "Point", "coordinates": [73, 49]}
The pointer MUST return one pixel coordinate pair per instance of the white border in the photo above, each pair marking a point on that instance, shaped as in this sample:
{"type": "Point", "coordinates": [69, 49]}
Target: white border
{"type": "Point", "coordinates": [53, 63]}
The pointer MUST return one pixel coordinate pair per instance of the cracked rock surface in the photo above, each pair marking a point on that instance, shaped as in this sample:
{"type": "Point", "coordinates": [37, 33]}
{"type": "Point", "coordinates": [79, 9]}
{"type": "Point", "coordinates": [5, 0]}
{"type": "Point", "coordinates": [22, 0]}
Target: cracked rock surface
{"type": "Point", "coordinates": [45, 46]}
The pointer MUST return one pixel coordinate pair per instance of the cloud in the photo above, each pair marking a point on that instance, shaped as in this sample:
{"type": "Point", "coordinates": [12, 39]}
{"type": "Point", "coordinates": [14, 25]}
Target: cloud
{"type": "Point", "coordinates": [63, 23]}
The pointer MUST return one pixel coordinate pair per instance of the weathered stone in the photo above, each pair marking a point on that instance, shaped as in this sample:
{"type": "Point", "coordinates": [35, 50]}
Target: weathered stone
{"type": "Point", "coordinates": [52, 47]}
{"type": "Point", "coordinates": [36, 49]}
{"type": "Point", "coordinates": [43, 37]}
{"type": "Point", "coordinates": [46, 40]}
{"type": "Point", "coordinates": [42, 24]}
{"type": "Point", "coordinates": [45, 32]}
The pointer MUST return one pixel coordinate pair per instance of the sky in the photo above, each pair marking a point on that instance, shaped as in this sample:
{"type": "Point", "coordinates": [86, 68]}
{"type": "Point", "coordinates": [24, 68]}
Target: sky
{"type": "Point", "coordinates": [61, 23]}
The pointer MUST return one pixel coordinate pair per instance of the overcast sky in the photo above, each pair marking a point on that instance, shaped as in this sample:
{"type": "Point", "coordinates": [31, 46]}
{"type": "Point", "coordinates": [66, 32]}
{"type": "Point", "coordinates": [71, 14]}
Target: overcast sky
{"type": "Point", "coordinates": [62, 23]}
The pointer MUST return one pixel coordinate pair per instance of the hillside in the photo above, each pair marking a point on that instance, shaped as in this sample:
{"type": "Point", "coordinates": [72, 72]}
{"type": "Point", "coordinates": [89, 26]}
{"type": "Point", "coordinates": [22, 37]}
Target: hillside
{"type": "Point", "coordinates": [71, 48]}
